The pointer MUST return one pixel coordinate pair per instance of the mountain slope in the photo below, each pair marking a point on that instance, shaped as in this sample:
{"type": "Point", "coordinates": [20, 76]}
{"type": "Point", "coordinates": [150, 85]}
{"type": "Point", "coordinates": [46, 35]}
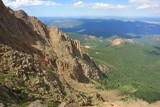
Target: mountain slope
{"type": "Point", "coordinates": [133, 63]}
{"type": "Point", "coordinates": [37, 61]}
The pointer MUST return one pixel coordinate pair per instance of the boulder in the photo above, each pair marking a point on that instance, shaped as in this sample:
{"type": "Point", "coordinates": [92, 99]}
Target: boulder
{"type": "Point", "coordinates": [37, 103]}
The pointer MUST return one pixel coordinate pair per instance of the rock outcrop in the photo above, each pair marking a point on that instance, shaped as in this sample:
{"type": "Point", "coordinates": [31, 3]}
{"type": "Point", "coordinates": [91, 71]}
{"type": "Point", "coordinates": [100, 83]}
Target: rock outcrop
{"type": "Point", "coordinates": [36, 61]}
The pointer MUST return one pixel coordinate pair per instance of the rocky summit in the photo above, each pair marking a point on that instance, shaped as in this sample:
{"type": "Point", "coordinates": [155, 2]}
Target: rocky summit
{"type": "Point", "coordinates": [37, 62]}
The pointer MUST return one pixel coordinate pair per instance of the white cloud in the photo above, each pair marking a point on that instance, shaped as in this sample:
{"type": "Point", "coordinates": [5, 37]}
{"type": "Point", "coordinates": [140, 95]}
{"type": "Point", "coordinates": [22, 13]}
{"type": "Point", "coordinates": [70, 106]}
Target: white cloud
{"type": "Point", "coordinates": [138, 1]}
{"type": "Point", "coordinates": [147, 4]}
{"type": "Point", "coordinates": [79, 4]}
{"type": "Point", "coordinates": [21, 3]}
{"type": "Point", "coordinates": [98, 5]}
{"type": "Point", "coordinates": [144, 6]}
{"type": "Point", "coordinates": [108, 6]}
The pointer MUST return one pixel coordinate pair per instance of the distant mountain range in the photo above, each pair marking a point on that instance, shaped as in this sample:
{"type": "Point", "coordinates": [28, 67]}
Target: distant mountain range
{"type": "Point", "coordinates": [105, 28]}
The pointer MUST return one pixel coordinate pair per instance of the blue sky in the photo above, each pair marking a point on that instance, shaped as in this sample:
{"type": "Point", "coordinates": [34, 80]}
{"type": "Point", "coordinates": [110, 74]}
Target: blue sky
{"type": "Point", "coordinates": [87, 8]}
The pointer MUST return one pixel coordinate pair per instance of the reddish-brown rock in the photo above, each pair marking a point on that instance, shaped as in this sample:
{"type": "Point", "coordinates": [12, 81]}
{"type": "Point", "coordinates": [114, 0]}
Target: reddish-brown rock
{"type": "Point", "coordinates": [40, 58]}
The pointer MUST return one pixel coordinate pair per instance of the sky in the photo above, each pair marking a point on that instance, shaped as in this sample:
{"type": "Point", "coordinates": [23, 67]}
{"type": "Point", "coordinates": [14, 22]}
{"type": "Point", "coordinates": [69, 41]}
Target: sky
{"type": "Point", "coordinates": [87, 8]}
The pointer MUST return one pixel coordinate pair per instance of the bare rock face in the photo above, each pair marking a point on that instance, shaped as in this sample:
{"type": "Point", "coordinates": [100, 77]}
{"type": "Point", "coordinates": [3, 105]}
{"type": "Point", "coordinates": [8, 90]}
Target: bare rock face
{"type": "Point", "coordinates": [37, 103]}
{"type": "Point", "coordinates": [2, 105]}
{"type": "Point", "coordinates": [33, 22]}
{"type": "Point", "coordinates": [21, 14]}
{"type": "Point", "coordinates": [37, 60]}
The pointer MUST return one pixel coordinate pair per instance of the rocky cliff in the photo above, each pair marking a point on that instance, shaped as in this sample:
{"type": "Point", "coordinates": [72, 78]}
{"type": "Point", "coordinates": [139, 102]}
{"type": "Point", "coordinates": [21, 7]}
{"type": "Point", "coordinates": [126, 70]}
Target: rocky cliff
{"type": "Point", "coordinates": [36, 61]}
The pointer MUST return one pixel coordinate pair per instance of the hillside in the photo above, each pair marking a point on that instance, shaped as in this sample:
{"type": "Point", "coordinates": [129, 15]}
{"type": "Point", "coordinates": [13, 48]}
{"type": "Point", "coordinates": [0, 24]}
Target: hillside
{"type": "Point", "coordinates": [38, 62]}
{"type": "Point", "coordinates": [133, 65]}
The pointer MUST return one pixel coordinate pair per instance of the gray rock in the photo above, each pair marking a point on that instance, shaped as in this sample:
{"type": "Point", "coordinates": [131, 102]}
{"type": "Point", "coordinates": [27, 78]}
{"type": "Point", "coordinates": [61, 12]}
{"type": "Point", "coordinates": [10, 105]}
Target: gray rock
{"type": "Point", "coordinates": [63, 104]}
{"type": "Point", "coordinates": [2, 105]}
{"type": "Point", "coordinates": [37, 103]}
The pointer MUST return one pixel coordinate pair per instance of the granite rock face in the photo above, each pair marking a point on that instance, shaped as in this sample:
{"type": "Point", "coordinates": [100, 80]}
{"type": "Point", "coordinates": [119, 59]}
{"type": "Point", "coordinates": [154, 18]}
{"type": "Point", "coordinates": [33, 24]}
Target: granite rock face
{"type": "Point", "coordinates": [37, 60]}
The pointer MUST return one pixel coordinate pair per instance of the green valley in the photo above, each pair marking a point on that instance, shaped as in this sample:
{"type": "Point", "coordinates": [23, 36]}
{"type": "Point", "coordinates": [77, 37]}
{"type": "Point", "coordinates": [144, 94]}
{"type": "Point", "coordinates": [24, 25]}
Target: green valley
{"type": "Point", "coordinates": [134, 66]}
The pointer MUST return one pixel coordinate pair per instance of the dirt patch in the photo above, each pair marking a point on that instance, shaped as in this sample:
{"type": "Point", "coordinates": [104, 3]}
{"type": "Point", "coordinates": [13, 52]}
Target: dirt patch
{"type": "Point", "coordinates": [117, 42]}
{"type": "Point", "coordinates": [87, 46]}
{"type": "Point", "coordinates": [92, 37]}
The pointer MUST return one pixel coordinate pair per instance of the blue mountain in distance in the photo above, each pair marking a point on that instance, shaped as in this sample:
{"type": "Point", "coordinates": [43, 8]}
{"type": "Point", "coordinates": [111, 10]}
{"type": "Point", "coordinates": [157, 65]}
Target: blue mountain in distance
{"type": "Point", "coordinates": [106, 27]}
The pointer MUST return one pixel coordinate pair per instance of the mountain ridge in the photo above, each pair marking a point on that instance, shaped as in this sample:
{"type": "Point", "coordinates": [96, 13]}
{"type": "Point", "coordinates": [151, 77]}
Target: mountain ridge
{"type": "Point", "coordinates": [37, 61]}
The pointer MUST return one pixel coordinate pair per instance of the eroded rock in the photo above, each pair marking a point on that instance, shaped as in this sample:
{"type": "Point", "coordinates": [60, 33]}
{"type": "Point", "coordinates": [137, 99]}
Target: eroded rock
{"type": "Point", "coordinates": [37, 103]}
